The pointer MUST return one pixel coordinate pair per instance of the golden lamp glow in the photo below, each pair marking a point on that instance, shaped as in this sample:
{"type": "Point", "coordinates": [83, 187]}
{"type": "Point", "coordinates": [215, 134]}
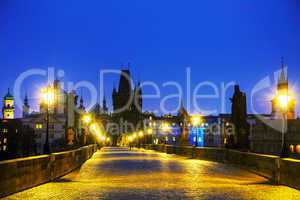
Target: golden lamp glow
{"type": "Point", "coordinates": [107, 139]}
{"type": "Point", "coordinates": [102, 138]}
{"type": "Point", "coordinates": [196, 120]}
{"type": "Point", "coordinates": [130, 138]}
{"type": "Point", "coordinates": [166, 127]}
{"type": "Point", "coordinates": [134, 135]}
{"type": "Point", "coordinates": [47, 95]}
{"type": "Point", "coordinates": [283, 101]}
{"type": "Point", "coordinates": [141, 134]}
{"type": "Point", "coordinates": [87, 118]}
{"type": "Point", "coordinates": [149, 131]}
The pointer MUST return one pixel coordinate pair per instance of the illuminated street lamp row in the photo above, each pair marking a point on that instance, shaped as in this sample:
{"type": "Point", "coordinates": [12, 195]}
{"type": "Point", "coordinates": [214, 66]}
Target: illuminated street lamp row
{"type": "Point", "coordinates": [94, 128]}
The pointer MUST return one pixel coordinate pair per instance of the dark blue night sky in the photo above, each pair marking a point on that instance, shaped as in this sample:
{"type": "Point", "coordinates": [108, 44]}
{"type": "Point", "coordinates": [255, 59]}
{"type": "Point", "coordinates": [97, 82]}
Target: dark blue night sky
{"type": "Point", "coordinates": [221, 41]}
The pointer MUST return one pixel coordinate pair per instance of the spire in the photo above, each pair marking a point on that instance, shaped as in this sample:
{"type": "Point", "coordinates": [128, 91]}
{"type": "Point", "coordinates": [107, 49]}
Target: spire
{"type": "Point", "coordinates": [282, 77]}
{"type": "Point", "coordinates": [104, 106]}
{"type": "Point", "coordinates": [26, 103]}
{"type": "Point", "coordinates": [8, 95]}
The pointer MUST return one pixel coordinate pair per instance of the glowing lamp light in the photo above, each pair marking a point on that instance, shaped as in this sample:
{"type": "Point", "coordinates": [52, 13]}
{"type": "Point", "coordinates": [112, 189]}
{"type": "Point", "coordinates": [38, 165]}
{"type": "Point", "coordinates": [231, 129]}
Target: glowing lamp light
{"type": "Point", "coordinates": [141, 134]}
{"type": "Point", "coordinates": [149, 131]}
{"type": "Point", "coordinates": [134, 135]}
{"type": "Point", "coordinates": [165, 127]}
{"type": "Point", "coordinates": [102, 138]}
{"type": "Point", "coordinates": [107, 139]}
{"type": "Point", "coordinates": [87, 119]}
{"type": "Point", "coordinates": [93, 127]}
{"type": "Point", "coordinates": [47, 95]}
{"type": "Point", "coordinates": [283, 101]}
{"type": "Point", "coordinates": [196, 120]}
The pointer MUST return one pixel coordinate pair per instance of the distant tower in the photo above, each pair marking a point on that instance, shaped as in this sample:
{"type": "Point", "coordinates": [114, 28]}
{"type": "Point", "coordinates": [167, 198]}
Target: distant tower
{"type": "Point", "coordinates": [81, 106]}
{"type": "Point", "coordinates": [104, 105]}
{"type": "Point", "coordinates": [283, 90]}
{"type": "Point", "coordinates": [26, 106]}
{"type": "Point", "coordinates": [8, 110]}
{"type": "Point", "coordinates": [137, 104]}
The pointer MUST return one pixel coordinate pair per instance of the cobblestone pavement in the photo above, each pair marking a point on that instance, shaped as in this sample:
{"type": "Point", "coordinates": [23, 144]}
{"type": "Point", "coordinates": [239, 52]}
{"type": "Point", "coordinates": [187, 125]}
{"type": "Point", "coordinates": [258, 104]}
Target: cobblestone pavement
{"type": "Point", "coordinates": [127, 175]}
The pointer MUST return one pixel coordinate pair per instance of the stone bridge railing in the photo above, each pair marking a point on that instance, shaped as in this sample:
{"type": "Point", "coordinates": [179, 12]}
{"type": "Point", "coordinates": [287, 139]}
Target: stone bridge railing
{"type": "Point", "coordinates": [23, 173]}
{"type": "Point", "coordinates": [279, 171]}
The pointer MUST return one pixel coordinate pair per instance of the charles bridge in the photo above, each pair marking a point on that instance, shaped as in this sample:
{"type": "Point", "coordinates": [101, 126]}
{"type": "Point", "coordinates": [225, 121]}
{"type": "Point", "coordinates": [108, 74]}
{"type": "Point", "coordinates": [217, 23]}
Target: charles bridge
{"type": "Point", "coordinates": [153, 172]}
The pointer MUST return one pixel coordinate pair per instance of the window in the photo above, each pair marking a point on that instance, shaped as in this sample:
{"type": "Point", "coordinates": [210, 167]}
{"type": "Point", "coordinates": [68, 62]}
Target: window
{"type": "Point", "coordinates": [4, 147]}
{"type": "Point", "coordinates": [38, 126]}
{"type": "Point", "coordinates": [4, 130]}
{"type": "Point", "coordinates": [5, 140]}
{"type": "Point", "coordinates": [298, 148]}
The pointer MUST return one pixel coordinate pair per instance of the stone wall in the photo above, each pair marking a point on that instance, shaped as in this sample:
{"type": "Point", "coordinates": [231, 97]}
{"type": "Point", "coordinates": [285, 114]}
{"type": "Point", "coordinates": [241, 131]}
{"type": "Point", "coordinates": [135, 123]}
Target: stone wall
{"type": "Point", "coordinates": [24, 173]}
{"type": "Point", "coordinates": [277, 170]}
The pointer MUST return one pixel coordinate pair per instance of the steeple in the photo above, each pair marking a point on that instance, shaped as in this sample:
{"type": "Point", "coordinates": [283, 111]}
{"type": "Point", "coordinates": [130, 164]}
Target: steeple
{"type": "Point", "coordinates": [282, 79]}
{"type": "Point", "coordinates": [81, 105]}
{"type": "Point", "coordinates": [26, 100]}
{"type": "Point", "coordinates": [104, 106]}
{"type": "Point", "coordinates": [8, 95]}
{"type": "Point", "coordinates": [26, 106]}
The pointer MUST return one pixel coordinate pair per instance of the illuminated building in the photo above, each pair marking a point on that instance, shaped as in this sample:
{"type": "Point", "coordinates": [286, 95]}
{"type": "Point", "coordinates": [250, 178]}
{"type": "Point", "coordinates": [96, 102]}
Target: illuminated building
{"type": "Point", "coordinates": [64, 120]}
{"type": "Point", "coordinates": [283, 96]}
{"type": "Point", "coordinates": [8, 109]}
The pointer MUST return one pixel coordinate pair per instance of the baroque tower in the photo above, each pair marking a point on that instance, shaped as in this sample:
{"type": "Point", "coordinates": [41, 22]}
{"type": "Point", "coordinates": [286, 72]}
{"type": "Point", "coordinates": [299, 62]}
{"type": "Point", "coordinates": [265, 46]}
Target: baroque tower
{"type": "Point", "coordinates": [8, 110]}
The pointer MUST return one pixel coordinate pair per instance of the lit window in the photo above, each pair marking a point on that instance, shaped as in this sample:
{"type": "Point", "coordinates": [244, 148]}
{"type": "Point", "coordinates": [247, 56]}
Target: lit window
{"type": "Point", "coordinates": [298, 148]}
{"type": "Point", "coordinates": [4, 148]}
{"type": "Point", "coordinates": [292, 148]}
{"type": "Point", "coordinates": [4, 130]}
{"type": "Point", "coordinates": [5, 140]}
{"type": "Point", "coordinates": [38, 126]}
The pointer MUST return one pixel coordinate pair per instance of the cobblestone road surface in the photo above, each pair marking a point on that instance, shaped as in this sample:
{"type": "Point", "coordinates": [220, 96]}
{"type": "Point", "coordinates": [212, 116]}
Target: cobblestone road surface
{"type": "Point", "coordinates": [116, 174]}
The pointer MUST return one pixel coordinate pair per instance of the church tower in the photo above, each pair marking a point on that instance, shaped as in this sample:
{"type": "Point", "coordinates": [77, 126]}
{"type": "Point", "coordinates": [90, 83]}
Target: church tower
{"type": "Point", "coordinates": [283, 93]}
{"type": "Point", "coordinates": [8, 110]}
{"type": "Point", "coordinates": [26, 106]}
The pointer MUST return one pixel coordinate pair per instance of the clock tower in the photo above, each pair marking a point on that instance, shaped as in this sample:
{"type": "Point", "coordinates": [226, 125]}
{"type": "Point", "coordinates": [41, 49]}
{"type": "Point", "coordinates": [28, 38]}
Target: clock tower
{"type": "Point", "coordinates": [8, 109]}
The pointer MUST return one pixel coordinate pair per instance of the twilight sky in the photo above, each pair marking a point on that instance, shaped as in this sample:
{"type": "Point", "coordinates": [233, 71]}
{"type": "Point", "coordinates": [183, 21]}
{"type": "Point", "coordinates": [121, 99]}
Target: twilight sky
{"type": "Point", "coordinates": [220, 41]}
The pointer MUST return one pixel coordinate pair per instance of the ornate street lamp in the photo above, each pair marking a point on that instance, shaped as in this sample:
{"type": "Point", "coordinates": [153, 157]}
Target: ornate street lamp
{"type": "Point", "coordinates": [283, 101]}
{"type": "Point", "coordinates": [47, 97]}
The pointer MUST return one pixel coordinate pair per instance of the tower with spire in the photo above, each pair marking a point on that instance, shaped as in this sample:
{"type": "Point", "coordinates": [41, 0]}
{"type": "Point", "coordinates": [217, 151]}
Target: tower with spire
{"type": "Point", "coordinates": [26, 106]}
{"type": "Point", "coordinates": [8, 109]}
{"type": "Point", "coordinates": [283, 90]}
{"type": "Point", "coordinates": [104, 105]}
{"type": "Point", "coordinates": [127, 102]}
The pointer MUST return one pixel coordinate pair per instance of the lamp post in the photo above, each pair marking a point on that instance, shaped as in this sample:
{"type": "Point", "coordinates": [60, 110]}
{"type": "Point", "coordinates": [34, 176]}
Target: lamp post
{"type": "Point", "coordinates": [196, 120]}
{"type": "Point", "coordinates": [283, 101]}
{"type": "Point", "coordinates": [47, 98]}
{"type": "Point", "coordinates": [86, 119]}
{"type": "Point", "coordinates": [150, 136]}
